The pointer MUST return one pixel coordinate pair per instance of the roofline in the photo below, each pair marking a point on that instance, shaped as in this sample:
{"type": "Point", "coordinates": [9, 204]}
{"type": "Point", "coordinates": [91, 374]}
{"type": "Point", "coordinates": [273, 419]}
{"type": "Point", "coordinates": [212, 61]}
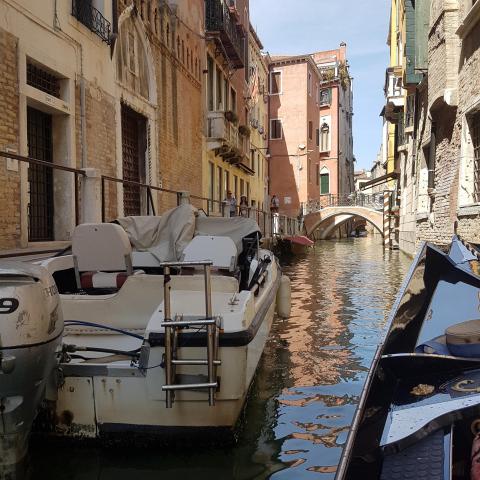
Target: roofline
{"type": "Point", "coordinates": [256, 37]}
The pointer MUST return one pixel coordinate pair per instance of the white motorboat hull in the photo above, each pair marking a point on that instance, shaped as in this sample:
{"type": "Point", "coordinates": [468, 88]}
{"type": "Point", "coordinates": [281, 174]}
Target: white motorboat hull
{"type": "Point", "coordinates": [117, 399]}
{"type": "Point", "coordinates": [123, 401]}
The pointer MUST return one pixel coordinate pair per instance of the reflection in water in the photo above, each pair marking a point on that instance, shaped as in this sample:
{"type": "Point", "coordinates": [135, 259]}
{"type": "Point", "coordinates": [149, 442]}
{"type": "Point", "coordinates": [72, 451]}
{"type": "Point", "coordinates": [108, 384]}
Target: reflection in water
{"type": "Point", "coordinates": [305, 393]}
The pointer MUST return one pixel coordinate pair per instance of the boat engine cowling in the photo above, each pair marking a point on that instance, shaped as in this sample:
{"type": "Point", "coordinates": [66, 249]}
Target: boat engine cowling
{"type": "Point", "coordinates": [31, 326]}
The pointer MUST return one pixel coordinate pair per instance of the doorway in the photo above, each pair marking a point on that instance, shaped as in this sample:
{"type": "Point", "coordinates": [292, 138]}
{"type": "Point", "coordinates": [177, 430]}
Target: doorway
{"type": "Point", "coordinates": [134, 147]}
{"type": "Point", "coordinates": [40, 178]}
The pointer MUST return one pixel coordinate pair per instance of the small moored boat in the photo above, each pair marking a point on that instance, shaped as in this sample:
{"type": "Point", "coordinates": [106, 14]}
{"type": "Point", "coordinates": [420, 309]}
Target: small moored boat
{"type": "Point", "coordinates": [164, 320]}
{"type": "Point", "coordinates": [419, 413]}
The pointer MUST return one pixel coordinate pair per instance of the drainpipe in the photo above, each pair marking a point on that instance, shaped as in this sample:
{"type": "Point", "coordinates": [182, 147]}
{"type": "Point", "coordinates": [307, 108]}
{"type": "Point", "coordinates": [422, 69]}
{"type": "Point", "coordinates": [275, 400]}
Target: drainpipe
{"type": "Point", "coordinates": [83, 122]}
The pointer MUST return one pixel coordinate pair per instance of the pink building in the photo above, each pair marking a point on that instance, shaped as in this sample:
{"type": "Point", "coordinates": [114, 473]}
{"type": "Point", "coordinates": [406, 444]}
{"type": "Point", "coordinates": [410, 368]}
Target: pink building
{"type": "Point", "coordinates": [311, 144]}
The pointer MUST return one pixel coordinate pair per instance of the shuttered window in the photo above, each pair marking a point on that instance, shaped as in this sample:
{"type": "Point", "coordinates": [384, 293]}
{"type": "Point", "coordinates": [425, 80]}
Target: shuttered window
{"type": "Point", "coordinates": [324, 183]}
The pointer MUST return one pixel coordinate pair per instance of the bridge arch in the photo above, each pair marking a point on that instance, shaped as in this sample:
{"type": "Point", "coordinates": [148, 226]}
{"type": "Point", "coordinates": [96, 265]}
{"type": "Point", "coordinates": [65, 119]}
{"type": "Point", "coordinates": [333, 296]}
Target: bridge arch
{"type": "Point", "coordinates": [315, 220]}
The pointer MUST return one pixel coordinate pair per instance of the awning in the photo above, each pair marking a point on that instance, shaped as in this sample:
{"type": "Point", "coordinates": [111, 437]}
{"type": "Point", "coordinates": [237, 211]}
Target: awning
{"type": "Point", "coordinates": [380, 180]}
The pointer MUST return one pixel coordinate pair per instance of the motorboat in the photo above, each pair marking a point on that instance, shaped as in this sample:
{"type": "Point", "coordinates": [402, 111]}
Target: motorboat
{"type": "Point", "coordinates": [165, 321]}
{"type": "Point", "coordinates": [419, 412]}
{"type": "Point", "coordinates": [31, 327]}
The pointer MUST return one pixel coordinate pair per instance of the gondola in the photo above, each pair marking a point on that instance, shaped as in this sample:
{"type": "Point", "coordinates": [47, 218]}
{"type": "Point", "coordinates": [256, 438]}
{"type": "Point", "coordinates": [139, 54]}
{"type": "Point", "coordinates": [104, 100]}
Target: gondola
{"type": "Point", "coordinates": [419, 413]}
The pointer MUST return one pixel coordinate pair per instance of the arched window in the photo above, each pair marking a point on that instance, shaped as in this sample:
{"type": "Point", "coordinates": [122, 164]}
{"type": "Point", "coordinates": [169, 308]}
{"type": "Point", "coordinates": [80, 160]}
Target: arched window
{"type": "Point", "coordinates": [324, 181]}
{"type": "Point", "coordinates": [325, 137]}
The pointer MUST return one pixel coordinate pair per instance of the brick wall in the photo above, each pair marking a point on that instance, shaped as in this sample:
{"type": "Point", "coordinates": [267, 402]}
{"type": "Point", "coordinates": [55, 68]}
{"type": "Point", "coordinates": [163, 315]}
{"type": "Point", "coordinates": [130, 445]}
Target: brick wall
{"type": "Point", "coordinates": [9, 180]}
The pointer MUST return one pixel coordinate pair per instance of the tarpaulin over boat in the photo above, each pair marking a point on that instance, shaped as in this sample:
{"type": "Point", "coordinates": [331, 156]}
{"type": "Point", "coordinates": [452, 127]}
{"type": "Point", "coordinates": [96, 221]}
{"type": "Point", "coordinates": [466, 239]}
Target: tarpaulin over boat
{"type": "Point", "coordinates": [236, 228]}
{"type": "Point", "coordinates": [167, 236]}
{"type": "Point", "coordinates": [164, 237]}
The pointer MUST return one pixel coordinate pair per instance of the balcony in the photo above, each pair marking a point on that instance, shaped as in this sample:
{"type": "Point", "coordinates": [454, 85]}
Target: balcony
{"type": "Point", "coordinates": [222, 135]}
{"type": "Point", "coordinates": [223, 28]}
{"type": "Point", "coordinates": [393, 93]}
{"type": "Point", "coordinates": [86, 13]}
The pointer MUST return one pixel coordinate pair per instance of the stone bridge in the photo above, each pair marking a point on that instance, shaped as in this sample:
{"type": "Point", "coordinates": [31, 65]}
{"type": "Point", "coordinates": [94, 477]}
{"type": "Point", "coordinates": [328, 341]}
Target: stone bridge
{"type": "Point", "coordinates": [326, 216]}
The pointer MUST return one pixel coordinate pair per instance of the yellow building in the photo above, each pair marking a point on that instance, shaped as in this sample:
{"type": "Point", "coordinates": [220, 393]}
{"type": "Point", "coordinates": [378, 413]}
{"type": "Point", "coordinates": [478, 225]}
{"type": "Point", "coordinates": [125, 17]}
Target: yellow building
{"type": "Point", "coordinates": [394, 92]}
{"type": "Point", "coordinates": [234, 148]}
{"type": "Point", "coordinates": [258, 106]}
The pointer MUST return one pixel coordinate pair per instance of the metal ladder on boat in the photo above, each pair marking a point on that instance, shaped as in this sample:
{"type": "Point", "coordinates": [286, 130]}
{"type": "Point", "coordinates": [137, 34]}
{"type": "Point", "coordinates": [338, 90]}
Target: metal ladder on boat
{"type": "Point", "coordinates": [172, 334]}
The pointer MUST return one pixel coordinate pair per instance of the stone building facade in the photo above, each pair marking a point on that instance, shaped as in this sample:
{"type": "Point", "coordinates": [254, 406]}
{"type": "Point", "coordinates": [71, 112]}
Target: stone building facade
{"type": "Point", "coordinates": [114, 88]}
{"type": "Point", "coordinates": [437, 144]}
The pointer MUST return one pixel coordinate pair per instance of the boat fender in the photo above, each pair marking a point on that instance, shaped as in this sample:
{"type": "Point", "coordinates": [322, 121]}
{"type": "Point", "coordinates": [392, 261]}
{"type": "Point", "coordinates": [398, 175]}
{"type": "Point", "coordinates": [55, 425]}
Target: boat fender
{"type": "Point", "coordinates": [475, 468]}
{"type": "Point", "coordinates": [284, 297]}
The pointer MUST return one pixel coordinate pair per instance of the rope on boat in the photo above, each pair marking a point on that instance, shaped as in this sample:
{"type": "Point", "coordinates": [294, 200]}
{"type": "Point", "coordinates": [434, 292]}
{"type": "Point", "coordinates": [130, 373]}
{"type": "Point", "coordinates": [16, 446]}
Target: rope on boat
{"type": "Point", "coordinates": [104, 327]}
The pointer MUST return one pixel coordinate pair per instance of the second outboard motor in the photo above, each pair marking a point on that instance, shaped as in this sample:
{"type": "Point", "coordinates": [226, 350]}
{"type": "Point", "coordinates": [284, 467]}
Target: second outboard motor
{"type": "Point", "coordinates": [31, 326]}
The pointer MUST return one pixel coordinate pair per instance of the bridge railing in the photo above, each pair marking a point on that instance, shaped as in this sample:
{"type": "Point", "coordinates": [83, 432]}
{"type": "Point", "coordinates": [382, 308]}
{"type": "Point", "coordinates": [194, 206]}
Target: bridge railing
{"type": "Point", "coordinates": [354, 199]}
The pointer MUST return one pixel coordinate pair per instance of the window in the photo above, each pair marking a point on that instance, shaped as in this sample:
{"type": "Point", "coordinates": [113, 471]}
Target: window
{"type": "Point", "coordinates": [325, 137]}
{"type": "Point", "coordinates": [233, 100]}
{"type": "Point", "coordinates": [275, 129]}
{"type": "Point", "coordinates": [219, 188]}
{"type": "Point", "coordinates": [310, 130]}
{"type": "Point", "coordinates": [132, 56]}
{"type": "Point", "coordinates": [475, 132]}
{"type": "Point", "coordinates": [220, 104]}
{"type": "Point", "coordinates": [242, 187]}
{"type": "Point", "coordinates": [275, 83]}
{"type": "Point", "coordinates": [39, 78]}
{"type": "Point", "coordinates": [85, 12]}
{"type": "Point", "coordinates": [226, 183]}
{"type": "Point", "coordinates": [325, 96]}
{"type": "Point", "coordinates": [317, 137]}
{"type": "Point", "coordinates": [210, 82]}
{"type": "Point", "coordinates": [317, 175]}
{"type": "Point", "coordinates": [235, 186]}
{"type": "Point", "coordinates": [431, 151]}
{"type": "Point", "coordinates": [211, 187]}
{"type": "Point", "coordinates": [324, 181]}
{"type": "Point", "coordinates": [309, 83]}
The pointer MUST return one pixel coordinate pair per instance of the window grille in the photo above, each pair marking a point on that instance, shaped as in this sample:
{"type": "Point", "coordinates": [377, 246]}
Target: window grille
{"type": "Point", "coordinates": [45, 81]}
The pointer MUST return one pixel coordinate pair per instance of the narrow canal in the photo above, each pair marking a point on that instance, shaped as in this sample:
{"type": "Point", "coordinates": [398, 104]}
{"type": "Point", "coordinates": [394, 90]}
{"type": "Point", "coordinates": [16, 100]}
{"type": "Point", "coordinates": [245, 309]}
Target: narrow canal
{"type": "Point", "coordinates": [306, 389]}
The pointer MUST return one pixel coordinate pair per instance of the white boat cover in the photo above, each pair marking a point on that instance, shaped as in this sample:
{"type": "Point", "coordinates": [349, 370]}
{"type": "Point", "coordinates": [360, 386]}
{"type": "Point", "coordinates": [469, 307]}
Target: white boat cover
{"type": "Point", "coordinates": [235, 228]}
{"type": "Point", "coordinates": [164, 237]}
{"type": "Point", "coordinates": [167, 236]}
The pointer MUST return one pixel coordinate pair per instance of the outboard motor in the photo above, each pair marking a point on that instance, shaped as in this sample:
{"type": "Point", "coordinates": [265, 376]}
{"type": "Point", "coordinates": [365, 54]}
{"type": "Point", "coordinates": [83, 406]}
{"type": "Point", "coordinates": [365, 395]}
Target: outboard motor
{"type": "Point", "coordinates": [31, 326]}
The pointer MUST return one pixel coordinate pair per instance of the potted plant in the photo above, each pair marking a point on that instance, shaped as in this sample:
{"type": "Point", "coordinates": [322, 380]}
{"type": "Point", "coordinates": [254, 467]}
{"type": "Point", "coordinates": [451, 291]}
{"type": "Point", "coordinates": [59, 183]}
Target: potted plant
{"type": "Point", "coordinates": [244, 131]}
{"type": "Point", "coordinates": [231, 116]}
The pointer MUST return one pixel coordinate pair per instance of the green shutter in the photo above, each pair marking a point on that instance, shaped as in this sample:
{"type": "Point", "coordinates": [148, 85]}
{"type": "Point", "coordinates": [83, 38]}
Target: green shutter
{"type": "Point", "coordinates": [422, 19]}
{"type": "Point", "coordinates": [324, 183]}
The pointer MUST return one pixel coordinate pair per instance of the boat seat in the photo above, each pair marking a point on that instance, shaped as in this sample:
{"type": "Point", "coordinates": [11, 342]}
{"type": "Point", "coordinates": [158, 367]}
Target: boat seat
{"type": "Point", "coordinates": [221, 251]}
{"type": "Point", "coordinates": [108, 280]}
{"type": "Point", "coordinates": [102, 256]}
{"type": "Point", "coordinates": [463, 339]}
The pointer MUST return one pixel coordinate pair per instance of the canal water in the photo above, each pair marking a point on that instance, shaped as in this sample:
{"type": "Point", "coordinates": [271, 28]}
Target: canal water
{"type": "Point", "coordinates": [306, 390]}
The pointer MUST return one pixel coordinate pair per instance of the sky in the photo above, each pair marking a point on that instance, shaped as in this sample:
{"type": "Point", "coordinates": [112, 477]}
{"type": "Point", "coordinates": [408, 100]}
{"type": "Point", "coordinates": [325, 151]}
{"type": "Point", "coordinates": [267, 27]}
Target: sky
{"type": "Point", "coordinates": [305, 26]}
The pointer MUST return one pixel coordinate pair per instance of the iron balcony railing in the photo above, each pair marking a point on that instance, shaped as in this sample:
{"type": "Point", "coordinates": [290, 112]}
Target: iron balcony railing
{"type": "Point", "coordinates": [86, 13]}
{"type": "Point", "coordinates": [222, 26]}
{"type": "Point", "coordinates": [354, 199]}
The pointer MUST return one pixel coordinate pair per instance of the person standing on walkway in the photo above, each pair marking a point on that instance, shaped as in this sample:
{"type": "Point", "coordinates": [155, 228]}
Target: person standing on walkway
{"type": "Point", "coordinates": [243, 206]}
{"type": "Point", "coordinates": [274, 204]}
{"type": "Point", "coordinates": [231, 203]}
